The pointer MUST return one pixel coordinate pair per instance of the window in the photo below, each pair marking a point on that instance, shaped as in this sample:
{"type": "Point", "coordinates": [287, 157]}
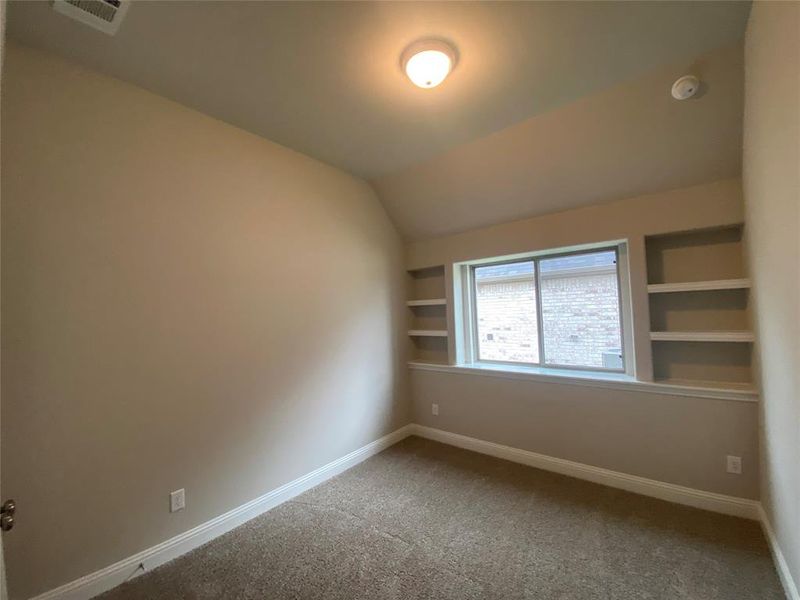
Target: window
{"type": "Point", "coordinates": [506, 307]}
{"type": "Point", "coordinates": [553, 310]}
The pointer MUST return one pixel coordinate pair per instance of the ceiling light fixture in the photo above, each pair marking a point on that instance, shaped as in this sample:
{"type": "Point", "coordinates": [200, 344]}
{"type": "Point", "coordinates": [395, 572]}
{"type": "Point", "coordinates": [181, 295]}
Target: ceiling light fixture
{"type": "Point", "coordinates": [428, 62]}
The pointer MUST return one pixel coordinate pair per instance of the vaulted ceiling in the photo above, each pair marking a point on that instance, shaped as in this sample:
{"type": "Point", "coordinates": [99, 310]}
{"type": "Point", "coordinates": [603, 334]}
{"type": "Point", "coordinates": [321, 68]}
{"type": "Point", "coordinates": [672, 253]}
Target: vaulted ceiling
{"type": "Point", "coordinates": [325, 79]}
{"type": "Point", "coordinates": [628, 140]}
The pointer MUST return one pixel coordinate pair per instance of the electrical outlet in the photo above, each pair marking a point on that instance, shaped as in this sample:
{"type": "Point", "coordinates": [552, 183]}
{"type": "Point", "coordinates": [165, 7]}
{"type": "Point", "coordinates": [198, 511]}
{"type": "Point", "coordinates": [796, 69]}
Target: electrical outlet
{"type": "Point", "coordinates": [435, 410]}
{"type": "Point", "coordinates": [734, 465]}
{"type": "Point", "coordinates": [177, 500]}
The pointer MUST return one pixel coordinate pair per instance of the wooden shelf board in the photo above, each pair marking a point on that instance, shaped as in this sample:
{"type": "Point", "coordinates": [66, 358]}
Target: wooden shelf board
{"type": "Point", "coordinates": [699, 286]}
{"type": "Point", "coordinates": [702, 336]}
{"type": "Point", "coordinates": [427, 332]}
{"type": "Point", "coordinates": [424, 269]}
{"type": "Point", "coordinates": [428, 302]}
{"type": "Point", "coordinates": [428, 363]}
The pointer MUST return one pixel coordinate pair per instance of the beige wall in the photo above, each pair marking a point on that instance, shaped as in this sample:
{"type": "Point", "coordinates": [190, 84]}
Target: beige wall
{"type": "Point", "coordinates": [707, 205]}
{"type": "Point", "coordinates": [676, 439]}
{"type": "Point", "coordinates": [771, 175]}
{"type": "Point", "coordinates": [681, 440]}
{"type": "Point", "coordinates": [185, 305]}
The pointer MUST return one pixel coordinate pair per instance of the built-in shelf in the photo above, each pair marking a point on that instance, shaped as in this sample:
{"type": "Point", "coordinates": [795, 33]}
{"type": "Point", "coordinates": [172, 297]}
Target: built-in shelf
{"type": "Point", "coordinates": [698, 294]}
{"type": "Point", "coordinates": [427, 332]}
{"type": "Point", "coordinates": [699, 286]}
{"type": "Point", "coordinates": [428, 302]}
{"type": "Point", "coordinates": [702, 336]}
{"type": "Point", "coordinates": [427, 314]}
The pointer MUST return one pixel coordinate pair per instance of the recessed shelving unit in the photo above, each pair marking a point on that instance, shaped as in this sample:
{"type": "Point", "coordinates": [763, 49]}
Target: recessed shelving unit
{"type": "Point", "coordinates": [699, 309]}
{"type": "Point", "coordinates": [427, 315]}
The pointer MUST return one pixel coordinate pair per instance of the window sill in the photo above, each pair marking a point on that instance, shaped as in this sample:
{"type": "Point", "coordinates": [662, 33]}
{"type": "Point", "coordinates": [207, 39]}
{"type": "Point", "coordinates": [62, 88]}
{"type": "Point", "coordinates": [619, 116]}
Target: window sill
{"type": "Point", "coordinates": [614, 381]}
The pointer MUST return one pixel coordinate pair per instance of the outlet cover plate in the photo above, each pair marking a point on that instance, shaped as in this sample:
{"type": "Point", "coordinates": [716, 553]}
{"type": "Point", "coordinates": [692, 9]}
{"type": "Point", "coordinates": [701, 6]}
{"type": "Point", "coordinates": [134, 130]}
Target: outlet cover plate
{"type": "Point", "coordinates": [177, 500]}
{"type": "Point", "coordinates": [734, 464]}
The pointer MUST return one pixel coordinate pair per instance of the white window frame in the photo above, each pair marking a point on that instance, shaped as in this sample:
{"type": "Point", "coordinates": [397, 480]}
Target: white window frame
{"type": "Point", "coordinates": [466, 330]}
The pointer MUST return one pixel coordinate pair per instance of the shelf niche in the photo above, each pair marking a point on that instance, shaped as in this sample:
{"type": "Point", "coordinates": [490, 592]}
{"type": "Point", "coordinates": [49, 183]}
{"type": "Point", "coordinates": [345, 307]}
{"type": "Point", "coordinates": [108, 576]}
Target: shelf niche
{"type": "Point", "coordinates": [426, 283]}
{"type": "Point", "coordinates": [427, 315]}
{"type": "Point", "coordinates": [694, 256]}
{"type": "Point", "coordinates": [719, 310]}
{"type": "Point", "coordinates": [718, 364]}
{"type": "Point", "coordinates": [700, 308]}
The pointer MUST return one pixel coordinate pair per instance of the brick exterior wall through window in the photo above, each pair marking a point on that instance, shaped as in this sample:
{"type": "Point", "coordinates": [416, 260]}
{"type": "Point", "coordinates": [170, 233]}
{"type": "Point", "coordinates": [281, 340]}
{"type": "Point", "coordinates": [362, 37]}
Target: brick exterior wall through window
{"type": "Point", "coordinates": [507, 323]}
{"type": "Point", "coordinates": [580, 315]}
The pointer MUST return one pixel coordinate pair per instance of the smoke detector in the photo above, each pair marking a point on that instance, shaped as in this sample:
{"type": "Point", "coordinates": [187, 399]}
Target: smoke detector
{"type": "Point", "coordinates": [685, 87]}
{"type": "Point", "coordinates": [105, 15]}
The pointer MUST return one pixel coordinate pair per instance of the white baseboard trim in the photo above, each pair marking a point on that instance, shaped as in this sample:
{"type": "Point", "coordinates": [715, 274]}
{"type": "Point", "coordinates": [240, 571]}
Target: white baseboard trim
{"type": "Point", "coordinates": [100, 581]}
{"type": "Point", "coordinates": [789, 585]}
{"type": "Point", "coordinates": [720, 503]}
{"type": "Point", "coordinates": [105, 579]}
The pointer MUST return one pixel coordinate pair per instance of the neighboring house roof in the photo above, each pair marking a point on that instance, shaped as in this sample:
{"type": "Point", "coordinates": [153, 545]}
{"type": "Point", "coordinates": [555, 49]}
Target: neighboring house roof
{"type": "Point", "coordinates": [549, 266]}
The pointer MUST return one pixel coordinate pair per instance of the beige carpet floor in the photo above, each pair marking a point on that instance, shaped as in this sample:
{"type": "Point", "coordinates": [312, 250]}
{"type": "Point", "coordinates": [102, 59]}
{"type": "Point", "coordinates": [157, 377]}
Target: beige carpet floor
{"type": "Point", "coordinates": [425, 520]}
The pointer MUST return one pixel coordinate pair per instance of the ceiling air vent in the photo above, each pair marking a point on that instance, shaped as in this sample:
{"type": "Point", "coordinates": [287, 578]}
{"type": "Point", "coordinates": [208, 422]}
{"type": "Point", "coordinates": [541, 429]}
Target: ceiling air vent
{"type": "Point", "coordinates": [104, 15]}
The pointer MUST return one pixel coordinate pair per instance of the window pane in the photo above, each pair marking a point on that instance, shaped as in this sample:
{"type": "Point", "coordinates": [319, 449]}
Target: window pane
{"type": "Point", "coordinates": [505, 299]}
{"type": "Point", "coordinates": [580, 310]}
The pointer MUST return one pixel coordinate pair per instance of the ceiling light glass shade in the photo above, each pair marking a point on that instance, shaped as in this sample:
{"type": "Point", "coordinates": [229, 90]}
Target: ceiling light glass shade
{"type": "Point", "coordinates": [428, 63]}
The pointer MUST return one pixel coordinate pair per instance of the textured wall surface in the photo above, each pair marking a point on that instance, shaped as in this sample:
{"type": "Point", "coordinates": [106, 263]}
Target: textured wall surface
{"type": "Point", "coordinates": [185, 305]}
{"type": "Point", "coordinates": [771, 179]}
{"type": "Point", "coordinates": [676, 439]}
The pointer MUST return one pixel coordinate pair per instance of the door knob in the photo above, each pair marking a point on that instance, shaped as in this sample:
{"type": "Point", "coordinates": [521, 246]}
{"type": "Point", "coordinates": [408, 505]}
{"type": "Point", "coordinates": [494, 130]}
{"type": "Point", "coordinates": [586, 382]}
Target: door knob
{"type": "Point", "coordinates": [6, 523]}
{"type": "Point", "coordinates": [7, 511]}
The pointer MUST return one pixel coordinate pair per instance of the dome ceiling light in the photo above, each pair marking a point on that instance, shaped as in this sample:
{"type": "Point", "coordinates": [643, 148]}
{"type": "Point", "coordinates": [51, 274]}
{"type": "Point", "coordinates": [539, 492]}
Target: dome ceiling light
{"type": "Point", "coordinates": [428, 62]}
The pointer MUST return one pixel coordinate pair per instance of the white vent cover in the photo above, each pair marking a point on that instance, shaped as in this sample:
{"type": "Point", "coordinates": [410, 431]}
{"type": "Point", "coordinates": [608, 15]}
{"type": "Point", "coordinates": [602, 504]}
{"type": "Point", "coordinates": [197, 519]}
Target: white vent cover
{"type": "Point", "coordinates": [104, 15]}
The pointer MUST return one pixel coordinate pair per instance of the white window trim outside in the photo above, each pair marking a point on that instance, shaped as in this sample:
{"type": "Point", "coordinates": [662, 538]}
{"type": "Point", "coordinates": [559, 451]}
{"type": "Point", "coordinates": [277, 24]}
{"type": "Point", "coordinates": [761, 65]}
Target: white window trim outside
{"type": "Point", "coordinates": [465, 314]}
